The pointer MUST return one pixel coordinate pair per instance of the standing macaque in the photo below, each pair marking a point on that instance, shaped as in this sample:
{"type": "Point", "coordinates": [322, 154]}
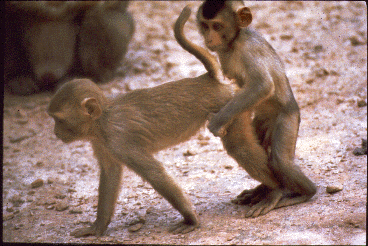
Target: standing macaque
{"type": "Point", "coordinates": [259, 126]}
{"type": "Point", "coordinates": [48, 42]}
{"type": "Point", "coordinates": [128, 129]}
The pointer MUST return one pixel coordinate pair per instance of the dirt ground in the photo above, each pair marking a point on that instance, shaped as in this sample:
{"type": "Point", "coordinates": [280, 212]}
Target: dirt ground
{"type": "Point", "coordinates": [324, 48]}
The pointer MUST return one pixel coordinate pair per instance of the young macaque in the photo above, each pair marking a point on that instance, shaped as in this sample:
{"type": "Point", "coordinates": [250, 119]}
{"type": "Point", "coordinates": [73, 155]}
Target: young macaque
{"type": "Point", "coordinates": [259, 126]}
{"type": "Point", "coordinates": [128, 129]}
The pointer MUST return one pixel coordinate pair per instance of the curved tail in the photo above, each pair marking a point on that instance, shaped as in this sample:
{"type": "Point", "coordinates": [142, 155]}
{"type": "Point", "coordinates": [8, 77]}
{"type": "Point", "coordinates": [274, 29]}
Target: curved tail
{"type": "Point", "coordinates": [208, 60]}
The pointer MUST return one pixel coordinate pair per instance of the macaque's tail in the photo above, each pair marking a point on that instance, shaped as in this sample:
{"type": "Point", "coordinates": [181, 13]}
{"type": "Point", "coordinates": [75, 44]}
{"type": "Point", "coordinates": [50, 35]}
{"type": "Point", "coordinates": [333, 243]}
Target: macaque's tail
{"type": "Point", "coordinates": [209, 61]}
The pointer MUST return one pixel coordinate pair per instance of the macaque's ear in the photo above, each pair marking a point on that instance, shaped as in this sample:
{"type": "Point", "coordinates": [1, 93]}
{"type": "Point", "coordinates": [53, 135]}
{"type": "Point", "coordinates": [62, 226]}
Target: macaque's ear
{"type": "Point", "coordinates": [91, 107]}
{"type": "Point", "coordinates": [244, 17]}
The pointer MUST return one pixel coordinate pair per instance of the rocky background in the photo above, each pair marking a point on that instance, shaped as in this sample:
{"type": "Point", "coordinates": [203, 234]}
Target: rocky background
{"type": "Point", "coordinates": [50, 188]}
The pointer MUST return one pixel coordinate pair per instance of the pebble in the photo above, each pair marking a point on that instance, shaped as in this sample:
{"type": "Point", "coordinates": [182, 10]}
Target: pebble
{"type": "Point", "coordinates": [20, 114]}
{"type": "Point", "coordinates": [8, 217]}
{"type": "Point", "coordinates": [135, 227]}
{"type": "Point", "coordinates": [37, 183]}
{"type": "Point", "coordinates": [18, 137]}
{"type": "Point", "coordinates": [61, 206]}
{"type": "Point", "coordinates": [17, 200]}
{"type": "Point", "coordinates": [188, 153]}
{"type": "Point", "coordinates": [39, 164]}
{"type": "Point", "coordinates": [75, 211]}
{"type": "Point", "coordinates": [362, 150]}
{"type": "Point", "coordinates": [334, 188]}
{"type": "Point", "coordinates": [22, 121]}
{"type": "Point", "coordinates": [286, 36]}
{"type": "Point", "coordinates": [60, 196]}
{"type": "Point", "coordinates": [355, 41]}
{"type": "Point", "coordinates": [361, 103]}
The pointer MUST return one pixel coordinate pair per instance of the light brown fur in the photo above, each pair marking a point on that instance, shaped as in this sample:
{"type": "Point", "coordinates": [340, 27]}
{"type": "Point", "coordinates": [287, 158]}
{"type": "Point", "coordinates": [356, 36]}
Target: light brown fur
{"type": "Point", "coordinates": [264, 145]}
{"type": "Point", "coordinates": [127, 131]}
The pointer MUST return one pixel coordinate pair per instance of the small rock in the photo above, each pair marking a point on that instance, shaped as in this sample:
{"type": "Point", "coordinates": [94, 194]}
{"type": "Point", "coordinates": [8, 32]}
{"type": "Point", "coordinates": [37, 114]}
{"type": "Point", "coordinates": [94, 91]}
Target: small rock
{"type": "Point", "coordinates": [39, 164]}
{"type": "Point", "coordinates": [322, 72]}
{"type": "Point", "coordinates": [20, 114]}
{"type": "Point", "coordinates": [334, 188]}
{"type": "Point", "coordinates": [355, 41]}
{"type": "Point", "coordinates": [203, 142]}
{"type": "Point", "coordinates": [309, 81]}
{"type": "Point", "coordinates": [48, 202]}
{"type": "Point", "coordinates": [8, 217]}
{"type": "Point", "coordinates": [201, 137]}
{"type": "Point", "coordinates": [318, 48]}
{"type": "Point", "coordinates": [37, 183]}
{"type": "Point", "coordinates": [60, 196]}
{"type": "Point", "coordinates": [10, 210]}
{"type": "Point", "coordinates": [17, 200]}
{"type": "Point", "coordinates": [22, 121]}
{"type": "Point", "coordinates": [50, 207]}
{"type": "Point", "coordinates": [75, 211]}
{"type": "Point", "coordinates": [150, 210]}
{"type": "Point", "coordinates": [362, 150]}
{"type": "Point", "coordinates": [135, 227]}
{"type": "Point", "coordinates": [30, 105]}
{"type": "Point", "coordinates": [61, 206]}
{"type": "Point", "coordinates": [362, 103]}
{"type": "Point", "coordinates": [20, 136]}
{"type": "Point", "coordinates": [188, 153]}
{"type": "Point", "coordinates": [286, 36]}
{"type": "Point", "coordinates": [228, 167]}
{"type": "Point", "coordinates": [140, 219]}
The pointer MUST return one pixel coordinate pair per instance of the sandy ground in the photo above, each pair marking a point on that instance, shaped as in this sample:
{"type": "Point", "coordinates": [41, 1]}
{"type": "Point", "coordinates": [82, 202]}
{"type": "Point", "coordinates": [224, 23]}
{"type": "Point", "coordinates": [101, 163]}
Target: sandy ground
{"type": "Point", "coordinates": [324, 47]}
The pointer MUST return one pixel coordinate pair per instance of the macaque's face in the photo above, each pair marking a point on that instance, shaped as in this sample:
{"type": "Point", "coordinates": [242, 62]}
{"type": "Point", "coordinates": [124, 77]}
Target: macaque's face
{"type": "Point", "coordinates": [71, 126]}
{"type": "Point", "coordinates": [220, 31]}
{"type": "Point", "coordinates": [217, 32]}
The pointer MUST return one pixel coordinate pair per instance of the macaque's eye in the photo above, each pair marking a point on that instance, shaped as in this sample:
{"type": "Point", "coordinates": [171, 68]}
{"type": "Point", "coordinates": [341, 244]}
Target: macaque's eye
{"type": "Point", "coordinates": [218, 27]}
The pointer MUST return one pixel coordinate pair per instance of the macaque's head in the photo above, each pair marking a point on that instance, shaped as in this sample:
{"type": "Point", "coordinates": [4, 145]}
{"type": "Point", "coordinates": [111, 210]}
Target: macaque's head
{"type": "Point", "coordinates": [220, 21]}
{"type": "Point", "coordinates": [75, 107]}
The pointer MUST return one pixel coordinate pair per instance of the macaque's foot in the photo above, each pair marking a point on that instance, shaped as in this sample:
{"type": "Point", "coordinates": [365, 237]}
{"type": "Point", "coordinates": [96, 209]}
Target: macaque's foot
{"type": "Point", "coordinates": [266, 204]}
{"type": "Point", "coordinates": [88, 231]}
{"type": "Point", "coordinates": [183, 228]}
{"type": "Point", "coordinates": [253, 196]}
{"type": "Point", "coordinates": [263, 199]}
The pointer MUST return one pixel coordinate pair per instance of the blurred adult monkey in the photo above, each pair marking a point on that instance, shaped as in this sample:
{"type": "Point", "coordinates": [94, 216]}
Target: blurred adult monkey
{"type": "Point", "coordinates": [48, 42]}
{"type": "Point", "coordinates": [263, 144]}
{"type": "Point", "coordinates": [106, 31]}
{"type": "Point", "coordinates": [128, 129]}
